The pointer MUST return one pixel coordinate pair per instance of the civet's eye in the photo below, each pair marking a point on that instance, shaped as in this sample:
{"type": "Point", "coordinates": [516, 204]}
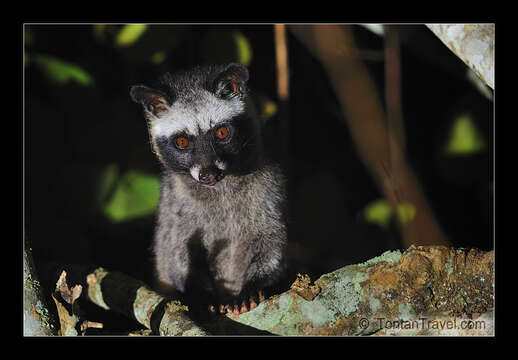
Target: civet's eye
{"type": "Point", "coordinates": [182, 142]}
{"type": "Point", "coordinates": [222, 133]}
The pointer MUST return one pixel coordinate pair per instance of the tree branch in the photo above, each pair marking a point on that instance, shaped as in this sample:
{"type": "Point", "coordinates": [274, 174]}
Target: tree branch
{"type": "Point", "coordinates": [37, 321]}
{"type": "Point", "coordinates": [421, 286]}
{"type": "Point", "coordinates": [473, 44]}
{"type": "Point", "coordinates": [123, 294]}
{"type": "Point", "coordinates": [334, 46]}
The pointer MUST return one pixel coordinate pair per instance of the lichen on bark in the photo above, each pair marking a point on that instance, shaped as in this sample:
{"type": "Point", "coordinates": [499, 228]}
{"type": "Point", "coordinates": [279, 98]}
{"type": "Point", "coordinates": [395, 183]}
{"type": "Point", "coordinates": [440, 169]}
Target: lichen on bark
{"type": "Point", "coordinates": [423, 285]}
{"type": "Point", "coordinates": [473, 44]}
{"type": "Point", "coordinates": [420, 283]}
{"type": "Point", "coordinates": [37, 321]}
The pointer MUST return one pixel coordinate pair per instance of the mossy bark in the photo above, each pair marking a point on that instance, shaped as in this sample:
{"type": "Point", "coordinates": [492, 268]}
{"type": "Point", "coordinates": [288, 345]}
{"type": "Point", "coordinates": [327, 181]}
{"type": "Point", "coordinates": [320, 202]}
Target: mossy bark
{"type": "Point", "coordinates": [424, 290]}
{"type": "Point", "coordinates": [37, 320]}
{"type": "Point", "coordinates": [119, 292]}
{"type": "Point", "coordinates": [473, 44]}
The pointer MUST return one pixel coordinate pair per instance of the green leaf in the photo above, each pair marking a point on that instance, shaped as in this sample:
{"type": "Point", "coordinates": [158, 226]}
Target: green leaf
{"type": "Point", "coordinates": [269, 109]}
{"type": "Point", "coordinates": [136, 195]}
{"type": "Point", "coordinates": [465, 138]}
{"type": "Point", "coordinates": [243, 48]}
{"type": "Point", "coordinates": [378, 212]}
{"type": "Point", "coordinates": [158, 57]}
{"type": "Point", "coordinates": [129, 34]}
{"type": "Point", "coordinates": [61, 72]}
{"type": "Point", "coordinates": [406, 212]}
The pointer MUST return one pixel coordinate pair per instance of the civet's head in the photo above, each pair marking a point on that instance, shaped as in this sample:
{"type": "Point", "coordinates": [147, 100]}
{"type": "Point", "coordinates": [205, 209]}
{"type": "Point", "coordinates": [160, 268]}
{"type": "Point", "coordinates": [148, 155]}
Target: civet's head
{"type": "Point", "coordinates": [198, 121]}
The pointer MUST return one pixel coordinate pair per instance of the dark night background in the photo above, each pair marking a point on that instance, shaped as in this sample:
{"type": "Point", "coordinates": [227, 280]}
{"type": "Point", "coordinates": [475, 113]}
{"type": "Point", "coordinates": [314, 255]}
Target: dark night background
{"type": "Point", "coordinates": [87, 149]}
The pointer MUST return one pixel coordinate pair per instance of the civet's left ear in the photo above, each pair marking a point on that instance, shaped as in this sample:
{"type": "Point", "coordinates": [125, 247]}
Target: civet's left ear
{"type": "Point", "coordinates": [153, 100]}
{"type": "Point", "coordinates": [231, 81]}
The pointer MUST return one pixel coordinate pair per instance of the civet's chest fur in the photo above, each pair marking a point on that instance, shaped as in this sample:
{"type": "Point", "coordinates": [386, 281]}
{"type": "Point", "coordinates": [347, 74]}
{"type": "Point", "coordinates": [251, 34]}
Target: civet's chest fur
{"type": "Point", "coordinates": [220, 226]}
{"type": "Point", "coordinates": [224, 238]}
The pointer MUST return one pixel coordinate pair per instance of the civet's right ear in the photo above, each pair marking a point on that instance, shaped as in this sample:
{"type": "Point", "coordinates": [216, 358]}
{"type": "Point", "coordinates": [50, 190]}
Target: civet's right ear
{"type": "Point", "coordinates": [153, 100]}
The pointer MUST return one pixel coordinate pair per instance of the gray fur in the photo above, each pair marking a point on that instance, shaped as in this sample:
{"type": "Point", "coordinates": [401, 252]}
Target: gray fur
{"type": "Point", "coordinates": [240, 222]}
{"type": "Point", "coordinates": [227, 239]}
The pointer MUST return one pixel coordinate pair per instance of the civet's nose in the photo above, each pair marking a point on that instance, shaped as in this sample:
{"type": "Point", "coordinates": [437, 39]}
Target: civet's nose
{"type": "Point", "coordinates": [210, 176]}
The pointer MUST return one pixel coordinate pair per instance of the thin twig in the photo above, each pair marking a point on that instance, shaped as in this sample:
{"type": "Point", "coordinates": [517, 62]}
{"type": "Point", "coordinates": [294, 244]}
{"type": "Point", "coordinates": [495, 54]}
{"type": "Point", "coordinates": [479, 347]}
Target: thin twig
{"type": "Point", "coordinates": [393, 84]}
{"type": "Point", "coordinates": [281, 56]}
{"type": "Point", "coordinates": [394, 113]}
{"type": "Point", "coordinates": [283, 94]}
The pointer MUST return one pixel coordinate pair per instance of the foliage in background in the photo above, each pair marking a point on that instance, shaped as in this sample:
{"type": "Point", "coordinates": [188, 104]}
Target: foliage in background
{"type": "Point", "coordinates": [134, 194]}
{"type": "Point", "coordinates": [128, 196]}
{"type": "Point", "coordinates": [61, 72]}
{"type": "Point", "coordinates": [129, 34]}
{"type": "Point", "coordinates": [80, 104]}
{"type": "Point", "coordinates": [381, 213]}
{"type": "Point", "coordinates": [464, 137]}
